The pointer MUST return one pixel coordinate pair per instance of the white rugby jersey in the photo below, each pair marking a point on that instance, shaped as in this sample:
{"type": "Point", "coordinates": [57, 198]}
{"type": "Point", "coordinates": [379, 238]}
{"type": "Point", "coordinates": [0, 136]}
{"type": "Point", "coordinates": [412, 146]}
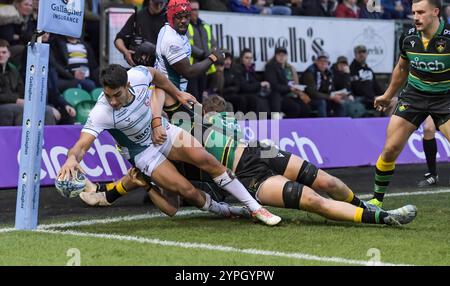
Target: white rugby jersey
{"type": "Point", "coordinates": [170, 49]}
{"type": "Point", "coordinates": [131, 125]}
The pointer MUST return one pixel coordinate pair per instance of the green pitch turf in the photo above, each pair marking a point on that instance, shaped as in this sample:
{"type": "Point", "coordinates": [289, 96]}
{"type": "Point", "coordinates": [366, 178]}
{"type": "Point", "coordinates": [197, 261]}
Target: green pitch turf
{"type": "Point", "coordinates": [426, 241]}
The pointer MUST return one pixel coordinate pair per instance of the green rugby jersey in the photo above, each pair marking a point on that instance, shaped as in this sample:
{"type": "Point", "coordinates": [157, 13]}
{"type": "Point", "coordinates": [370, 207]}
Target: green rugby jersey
{"type": "Point", "coordinates": [429, 64]}
{"type": "Point", "coordinates": [221, 137]}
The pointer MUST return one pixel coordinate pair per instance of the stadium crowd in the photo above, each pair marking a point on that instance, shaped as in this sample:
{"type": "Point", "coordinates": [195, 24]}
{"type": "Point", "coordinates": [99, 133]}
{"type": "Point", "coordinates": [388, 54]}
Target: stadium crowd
{"type": "Point", "coordinates": [346, 87]}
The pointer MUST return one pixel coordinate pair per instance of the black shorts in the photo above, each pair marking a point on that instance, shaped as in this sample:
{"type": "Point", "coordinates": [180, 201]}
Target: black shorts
{"type": "Point", "coordinates": [253, 169]}
{"type": "Point", "coordinates": [415, 106]}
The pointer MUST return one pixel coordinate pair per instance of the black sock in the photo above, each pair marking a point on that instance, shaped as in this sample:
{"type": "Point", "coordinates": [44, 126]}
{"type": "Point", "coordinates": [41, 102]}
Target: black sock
{"type": "Point", "coordinates": [373, 217]}
{"type": "Point", "coordinates": [430, 149]}
{"type": "Point", "coordinates": [357, 202]}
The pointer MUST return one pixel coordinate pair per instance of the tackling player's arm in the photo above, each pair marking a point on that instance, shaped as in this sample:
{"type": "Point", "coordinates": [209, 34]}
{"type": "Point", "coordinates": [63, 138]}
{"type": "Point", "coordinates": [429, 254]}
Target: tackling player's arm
{"type": "Point", "coordinates": [75, 155]}
{"type": "Point", "coordinates": [189, 71]}
{"type": "Point", "coordinates": [161, 81]}
{"type": "Point", "coordinates": [162, 203]}
{"type": "Point", "coordinates": [398, 80]}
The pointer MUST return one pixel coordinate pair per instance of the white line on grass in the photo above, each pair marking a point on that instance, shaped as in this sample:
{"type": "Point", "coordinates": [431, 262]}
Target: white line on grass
{"type": "Point", "coordinates": [222, 248]}
{"type": "Point", "coordinates": [116, 219]}
{"type": "Point", "coordinates": [190, 212]}
{"type": "Point", "coordinates": [405, 194]}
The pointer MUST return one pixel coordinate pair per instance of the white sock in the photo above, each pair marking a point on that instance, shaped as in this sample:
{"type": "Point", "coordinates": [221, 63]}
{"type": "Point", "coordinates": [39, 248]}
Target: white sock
{"type": "Point", "coordinates": [234, 187]}
{"type": "Point", "coordinates": [216, 208]}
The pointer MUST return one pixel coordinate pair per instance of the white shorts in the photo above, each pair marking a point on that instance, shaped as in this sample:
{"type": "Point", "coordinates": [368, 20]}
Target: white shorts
{"type": "Point", "coordinates": [149, 159]}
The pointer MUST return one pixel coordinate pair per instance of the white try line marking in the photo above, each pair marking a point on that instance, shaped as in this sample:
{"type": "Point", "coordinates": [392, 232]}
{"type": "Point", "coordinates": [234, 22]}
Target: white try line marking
{"type": "Point", "coordinates": [222, 248]}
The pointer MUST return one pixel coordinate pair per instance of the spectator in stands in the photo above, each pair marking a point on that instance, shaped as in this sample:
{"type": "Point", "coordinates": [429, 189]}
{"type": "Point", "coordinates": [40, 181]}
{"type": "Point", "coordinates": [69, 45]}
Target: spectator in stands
{"type": "Point", "coordinates": [319, 85]}
{"type": "Point", "coordinates": [341, 74]}
{"type": "Point", "coordinates": [364, 12]}
{"type": "Point", "coordinates": [243, 6]}
{"type": "Point", "coordinates": [319, 8]}
{"type": "Point", "coordinates": [12, 92]}
{"type": "Point", "coordinates": [365, 87]}
{"type": "Point", "coordinates": [16, 27]}
{"type": "Point", "coordinates": [202, 43]}
{"type": "Point", "coordinates": [347, 9]}
{"type": "Point", "coordinates": [253, 92]}
{"type": "Point", "coordinates": [297, 7]}
{"type": "Point", "coordinates": [393, 9]}
{"type": "Point", "coordinates": [215, 5]}
{"type": "Point", "coordinates": [230, 85]}
{"type": "Point", "coordinates": [78, 59]}
{"type": "Point", "coordinates": [285, 94]}
{"type": "Point", "coordinates": [149, 21]}
{"type": "Point", "coordinates": [279, 7]}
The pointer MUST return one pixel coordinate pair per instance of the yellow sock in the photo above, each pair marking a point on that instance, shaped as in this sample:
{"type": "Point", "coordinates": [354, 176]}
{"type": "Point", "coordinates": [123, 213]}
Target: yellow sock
{"type": "Point", "coordinates": [358, 215]}
{"type": "Point", "coordinates": [385, 166]}
{"type": "Point", "coordinates": [121, 189]}
{"type": "Point", "coordinates": [350, 197]}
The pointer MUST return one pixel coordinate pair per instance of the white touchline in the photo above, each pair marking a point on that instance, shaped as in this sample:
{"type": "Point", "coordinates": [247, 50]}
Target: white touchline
{"type": "Point", "coordinates": [222, 248]}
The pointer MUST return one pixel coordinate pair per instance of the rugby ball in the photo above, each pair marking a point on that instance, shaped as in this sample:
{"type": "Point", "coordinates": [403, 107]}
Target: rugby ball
{"type": "Point", "coordinates": [71, 188]}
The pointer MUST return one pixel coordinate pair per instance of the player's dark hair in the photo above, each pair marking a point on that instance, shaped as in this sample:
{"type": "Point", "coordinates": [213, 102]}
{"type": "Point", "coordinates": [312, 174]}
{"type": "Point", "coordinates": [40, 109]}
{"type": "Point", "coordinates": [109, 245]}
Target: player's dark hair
{"type": "Point", "coordinates": [4, 44]}
{"type": "Point", "coordinates": [435, 3]}
{"type": "Point", "coordinates": [114, 76]}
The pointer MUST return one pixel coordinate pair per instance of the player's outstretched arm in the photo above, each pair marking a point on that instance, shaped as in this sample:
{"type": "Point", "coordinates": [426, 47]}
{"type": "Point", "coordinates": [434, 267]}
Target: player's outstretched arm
{"type": "Point", "coordinates": [75, 155]}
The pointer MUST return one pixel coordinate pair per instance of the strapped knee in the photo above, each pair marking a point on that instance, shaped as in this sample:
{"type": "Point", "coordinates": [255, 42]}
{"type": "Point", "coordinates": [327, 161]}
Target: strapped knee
{"type": "Point", "coordinates": [292, 192]}
{"type": "Point", "coordinates": [308, 174]}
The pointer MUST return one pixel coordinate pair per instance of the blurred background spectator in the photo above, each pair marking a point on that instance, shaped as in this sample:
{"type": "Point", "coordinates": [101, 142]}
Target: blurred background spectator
{"type": "Point", "coordinates": [148, 23]}
{"type": "Point", "coordinates": [283, 80]}
{"type": "Point", "coordinates": [254, 94]}
{"type": "Point", "coordinates": [12, 92]}
{"type": "Point", "coordinates": [364, 85]}
{"type": "Point", "coordinates": [319, 86]}
{"type": "Point", "coordinates": [81, 69]}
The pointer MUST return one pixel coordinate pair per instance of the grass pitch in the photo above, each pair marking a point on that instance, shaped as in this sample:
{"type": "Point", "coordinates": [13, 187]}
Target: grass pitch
{"type": "Point", "coordinates": [202, 239]}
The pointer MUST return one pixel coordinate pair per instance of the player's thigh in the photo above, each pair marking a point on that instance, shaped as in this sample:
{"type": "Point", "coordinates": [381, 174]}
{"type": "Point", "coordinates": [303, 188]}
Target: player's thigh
{"type": "Point", "coordinates": [397, 134]}
{"type": "Point", "coordinates": [167, 177]}
{"type": "Point", "coordinates": [188, 149]}
{"type": "Point", "coordinates": [271, 191]}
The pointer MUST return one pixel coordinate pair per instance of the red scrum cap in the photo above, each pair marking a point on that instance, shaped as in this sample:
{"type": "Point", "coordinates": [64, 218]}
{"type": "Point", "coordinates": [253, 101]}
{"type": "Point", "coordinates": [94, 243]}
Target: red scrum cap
{"type": "Point", "coordinates": [177, 6]}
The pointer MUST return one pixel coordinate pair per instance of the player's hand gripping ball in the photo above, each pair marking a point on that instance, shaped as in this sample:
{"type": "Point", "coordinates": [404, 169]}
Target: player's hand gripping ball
{"type": "Point", "coordinates": [71, 188]}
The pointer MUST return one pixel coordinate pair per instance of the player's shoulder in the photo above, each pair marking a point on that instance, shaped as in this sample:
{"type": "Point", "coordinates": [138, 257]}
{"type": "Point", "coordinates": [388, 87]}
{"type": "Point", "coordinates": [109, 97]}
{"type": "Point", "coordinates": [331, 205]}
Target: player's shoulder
{"type": "Point", "coordinates": [139, 75]}
{"type": "Point", "coordinates": [102, 112]}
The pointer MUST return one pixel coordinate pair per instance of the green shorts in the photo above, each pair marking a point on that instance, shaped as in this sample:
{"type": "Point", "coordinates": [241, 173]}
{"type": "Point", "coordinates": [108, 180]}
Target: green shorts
{"type": "Point", "coordinates": [415, 106]}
